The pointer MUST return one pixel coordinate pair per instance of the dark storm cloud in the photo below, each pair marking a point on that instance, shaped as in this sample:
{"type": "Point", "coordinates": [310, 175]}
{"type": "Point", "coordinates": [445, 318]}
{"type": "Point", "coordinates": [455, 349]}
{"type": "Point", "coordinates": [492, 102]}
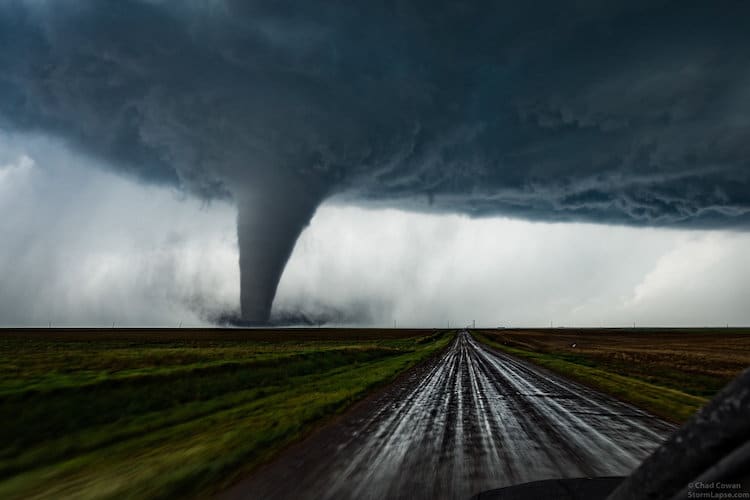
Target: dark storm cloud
{"type": "Point", "coordinates": [631, 113]}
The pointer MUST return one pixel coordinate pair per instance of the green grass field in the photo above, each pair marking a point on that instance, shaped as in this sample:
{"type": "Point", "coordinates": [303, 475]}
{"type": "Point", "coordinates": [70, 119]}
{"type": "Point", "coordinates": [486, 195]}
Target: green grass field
{"type": "Point", "coordinates": [671, 373]}
{"type": "Point", "coordinates": [140, 414]}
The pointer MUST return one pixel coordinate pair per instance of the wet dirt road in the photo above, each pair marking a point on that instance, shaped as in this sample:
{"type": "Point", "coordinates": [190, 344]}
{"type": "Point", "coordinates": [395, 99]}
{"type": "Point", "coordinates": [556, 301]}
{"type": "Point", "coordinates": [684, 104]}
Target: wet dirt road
{"type": "Point", "coordinates": [468, 421]}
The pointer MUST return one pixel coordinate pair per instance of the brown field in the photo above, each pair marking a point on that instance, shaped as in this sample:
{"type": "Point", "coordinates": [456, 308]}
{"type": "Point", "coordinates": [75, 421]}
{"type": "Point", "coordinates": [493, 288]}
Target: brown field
{"type": "Point", "coordinates": [157, 335]}
{"type": "Point", "coordinates": [695, 362]}
{"type": "Point", "coordinates": [716, 354]}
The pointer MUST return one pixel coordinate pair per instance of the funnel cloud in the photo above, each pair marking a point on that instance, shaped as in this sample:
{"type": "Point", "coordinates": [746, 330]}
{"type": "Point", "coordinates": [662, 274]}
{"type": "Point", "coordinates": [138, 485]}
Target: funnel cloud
{"type": "Point", "coordinates": [634, 113]}
{"type": "Point", "coordinates": [266, 242]}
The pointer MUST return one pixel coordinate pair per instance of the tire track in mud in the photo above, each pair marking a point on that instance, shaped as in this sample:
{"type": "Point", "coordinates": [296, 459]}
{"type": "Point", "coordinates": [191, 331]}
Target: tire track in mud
{"type": "Point", "coordinates": [471, 420]}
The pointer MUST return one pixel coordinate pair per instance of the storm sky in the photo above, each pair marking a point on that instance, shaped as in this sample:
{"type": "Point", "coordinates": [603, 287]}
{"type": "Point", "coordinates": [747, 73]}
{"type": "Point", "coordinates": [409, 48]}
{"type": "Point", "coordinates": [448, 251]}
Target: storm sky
{"type": "Point", "coordinates": [521, 163]}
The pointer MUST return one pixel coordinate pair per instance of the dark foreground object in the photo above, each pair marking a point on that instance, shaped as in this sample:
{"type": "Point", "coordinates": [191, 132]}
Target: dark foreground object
{"type": "Point", "coordinates": [555, 489]}
{"type": "Point", "coordinates": [468, 421]}
{"type": "Point", "coordinates": [712, 449]}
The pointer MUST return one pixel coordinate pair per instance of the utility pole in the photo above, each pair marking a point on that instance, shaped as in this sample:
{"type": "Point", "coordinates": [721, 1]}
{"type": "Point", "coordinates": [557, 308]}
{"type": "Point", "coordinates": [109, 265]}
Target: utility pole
{"type": "Point", "coordinates": [473, 324]}
{"type": "Point", "coordinates": [394, 323]}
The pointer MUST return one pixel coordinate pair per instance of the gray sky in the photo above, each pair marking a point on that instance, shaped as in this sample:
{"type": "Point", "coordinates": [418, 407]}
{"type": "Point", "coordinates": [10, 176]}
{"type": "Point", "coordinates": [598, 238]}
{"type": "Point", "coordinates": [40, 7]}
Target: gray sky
{"type": "Point", "coordinates": [626, 113]}
{"type": "Point", "coordinates": [84, 246]}
{"type": "Point", "coordinates": [423, 269]}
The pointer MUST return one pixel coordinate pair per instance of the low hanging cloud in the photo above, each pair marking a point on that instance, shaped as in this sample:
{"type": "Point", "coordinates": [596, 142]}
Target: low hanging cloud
{"type": "Point", "coordinates": [634, 113]}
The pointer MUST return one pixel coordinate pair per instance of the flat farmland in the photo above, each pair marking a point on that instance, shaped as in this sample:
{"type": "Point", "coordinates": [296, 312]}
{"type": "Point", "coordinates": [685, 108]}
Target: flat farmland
{"type": "Point", "coordinates": [164, 413]}
{"type": "Point", "coordinates": [671, 372]}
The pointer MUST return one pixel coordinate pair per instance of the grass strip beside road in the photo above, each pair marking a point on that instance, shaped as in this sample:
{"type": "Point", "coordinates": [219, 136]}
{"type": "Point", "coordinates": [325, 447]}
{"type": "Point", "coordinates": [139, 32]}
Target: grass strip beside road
{"type": "Point", "coordinates": [166, 435]}
{"type": "Point", "coordinates": [668, 403]}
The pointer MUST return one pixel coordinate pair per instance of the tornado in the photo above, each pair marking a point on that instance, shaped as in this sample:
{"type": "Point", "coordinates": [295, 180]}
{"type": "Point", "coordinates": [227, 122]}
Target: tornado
{"type": "Point", "coordinates": [270, 218]}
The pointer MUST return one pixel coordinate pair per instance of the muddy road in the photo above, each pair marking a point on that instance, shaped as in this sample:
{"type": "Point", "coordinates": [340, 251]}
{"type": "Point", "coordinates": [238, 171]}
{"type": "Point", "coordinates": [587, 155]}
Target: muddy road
{"type": "Point", "coordinates": [470, 420]}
